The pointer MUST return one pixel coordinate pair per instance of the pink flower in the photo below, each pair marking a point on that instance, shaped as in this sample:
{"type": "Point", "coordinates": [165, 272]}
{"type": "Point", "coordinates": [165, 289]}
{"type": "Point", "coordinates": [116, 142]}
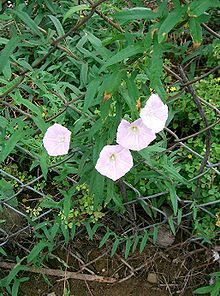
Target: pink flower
{"type": "Point", "coordinates": [154, 114]}
{"type": "Point", "coordinates": [114, 161]}
{"type": "Point", "coordinates": [135, 135]}
{"type": "Point", "coordinates": [57, 140]}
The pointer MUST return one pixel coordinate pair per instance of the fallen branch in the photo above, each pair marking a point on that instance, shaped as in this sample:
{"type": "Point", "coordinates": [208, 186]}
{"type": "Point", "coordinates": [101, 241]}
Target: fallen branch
{"type": "Point", "coordinates": [61, 273]}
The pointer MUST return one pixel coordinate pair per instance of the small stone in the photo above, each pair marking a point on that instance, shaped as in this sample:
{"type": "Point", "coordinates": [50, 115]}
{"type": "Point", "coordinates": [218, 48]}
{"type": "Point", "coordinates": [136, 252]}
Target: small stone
{"type": "Point", "coordinates": [152, 278]}
{"type": "Point", "coordinates": [165, 237]}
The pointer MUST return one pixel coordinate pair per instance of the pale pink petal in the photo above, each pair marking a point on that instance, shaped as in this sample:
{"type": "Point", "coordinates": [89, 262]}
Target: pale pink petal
{"type": "Point", "coordinates": [154, 114]}
{"type": "Point", "coordinates": [135, 135]}
{"type": "Point", "coordinates": [114, 162]}
{"type": "Point", "coordinates": [57, 140]}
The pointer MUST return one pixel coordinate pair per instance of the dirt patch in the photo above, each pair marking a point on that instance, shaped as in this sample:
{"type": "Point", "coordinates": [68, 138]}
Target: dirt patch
{"type": "Point", "coordinates": [134, 287]}
{"type": "Point", "coordinates": [176, 270]}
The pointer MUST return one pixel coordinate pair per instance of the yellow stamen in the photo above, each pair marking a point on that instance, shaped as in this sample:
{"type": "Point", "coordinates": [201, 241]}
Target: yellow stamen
{"type": "Point", "coordinates": [113, 157]}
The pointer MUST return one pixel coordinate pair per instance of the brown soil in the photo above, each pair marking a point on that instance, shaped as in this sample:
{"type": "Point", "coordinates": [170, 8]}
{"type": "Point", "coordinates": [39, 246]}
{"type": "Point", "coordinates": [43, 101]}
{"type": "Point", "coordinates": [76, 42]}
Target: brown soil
{"type": "Point", "coordinates": [175, 270]}
{"type": "Point", "coordinates": [134, 287]}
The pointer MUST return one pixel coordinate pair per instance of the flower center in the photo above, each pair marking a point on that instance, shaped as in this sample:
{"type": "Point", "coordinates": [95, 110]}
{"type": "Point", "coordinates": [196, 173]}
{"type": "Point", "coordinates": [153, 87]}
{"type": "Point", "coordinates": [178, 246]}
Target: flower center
{"type": "Point", "coordinates": [112, 157]}
{"type": "Point", "coordinates": [60, 139]}
{"type": "Point", "coordinates": [134, 129]}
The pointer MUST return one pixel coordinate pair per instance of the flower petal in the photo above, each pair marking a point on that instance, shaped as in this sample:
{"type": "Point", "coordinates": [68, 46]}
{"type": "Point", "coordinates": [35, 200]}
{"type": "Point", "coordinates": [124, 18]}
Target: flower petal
{"type": "Point", "coordinates": [154, 114]}
{"type": "Point", "coordinates": [135, 135]}
{"type": "Point", "coordinates": [114, 161]}
{"type": "Point", "coordinates": [57, 140]}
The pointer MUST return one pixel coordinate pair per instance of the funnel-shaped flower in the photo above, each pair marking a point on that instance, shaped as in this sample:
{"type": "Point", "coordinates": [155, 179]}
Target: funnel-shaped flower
{"type": "Point", "coordinates": [114, 161]}
{"type": "Point", "coordinates": [154, 114]}
{"type": "Point", "coordinates": [57, 140]}
{"type": "Point", "coordinates": [135, 135]}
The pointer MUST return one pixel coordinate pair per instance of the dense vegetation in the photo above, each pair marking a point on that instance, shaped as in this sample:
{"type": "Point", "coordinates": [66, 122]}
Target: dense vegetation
{"type": "Point", "coordinates": [87, 65]}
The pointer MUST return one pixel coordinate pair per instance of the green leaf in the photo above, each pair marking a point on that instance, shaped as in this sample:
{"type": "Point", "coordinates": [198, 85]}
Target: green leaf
{"type": "Point", "coordinates": [156, 148]}
{"type": "Point", "coordinates": [112, 82]}
{"type": "Point", "coordinates": [24, 17]}
{"type": "Point", "coordinates": [65, 232]}
{"type": "Point", "coordinates": [105, 238]}
{"type": "Point", "coordinates": [53, 231]}
{"type": "Point", "coordinates": [75, 9]}
{"type": "Point", "coordinates": [84, 74]}
{"type": "Point", "coordinates": [96, 186]}
{"type": "Point", "coordinates": [2, 252]}
{"type": "Point", "coordinates": [6, 191]}
{"type": "Point", "coordinates": [37, 119]}
{"type": "Point", "coordinates": [67, 202]}
{"type": "Point", "coordinates": [96, 42]}
{"type": "Point", "coordinates": [136, 13]}
{"type": "Point", "coordinates": [36, 251]}
{"type": "Point", "coordinates": [196, 30]}
{"type": "Point", "coordinates": [95, 128]}
{"type": "Point", "coordinates": [135, 243]}
{"type": "Point", "coordinates": [73, 231]}
{"type": "Point", "coordinates": [122, 55]}
{"type": "Point", "coordinates": [156, 69]}
{"type": "Point", "coordinates": [7, 71]}
{"type": "Point", "coordinates": [92, 89]}
{"type": "Point", "coordinates": [144, 241]}
{"type": "Point", "coordinates": [7, 51]}
{"type": "Point", "coordinates": [10, 143]}
{"type": "Point", "coordinates": [176, 3]}
{"type": "Point", "coordinates": [89, 230]}
{"type": "Point", "coordinates": [172, 226]}
{"type": "Point", "coordinates": [132, 87]}
{"type": "Point", "coordinates": [196, 8]}
{"type": "Point", "coordinates": [179, 216]}
{"type": "Point", "coordinates": [115, 246]}
{"type": "Point", "coordinates": [10, 85]}
{"type": "Point", "coordinates": [203, 290]}
{"type": "Point", "coordinates": [127, 247]}
{"type": "Point", "coordinates": [170, 22]}
{"type": "Point", "coordinates": [50, 203]}
{"type": "Point", "coordinates": [173, 197]}
{"type": "Point", "coordinates": [94, 229]}
{"type": "Point", "coordinates": [155, 234]}
{"type": "Point", "coordinates": [129, 100]}
{"type": "Point", "coordinates": [3, 122]}
{"type": "Point", "coordinates": [3, 40]}
{"type": "Point", "coordinates": [171, 170]}
{"type": "Point", "coordinates": [19, 100]}
{"type": "Point", "coordinates": [156, 64]}
{"type": "Point", "coordinates": [110, 191]}
{"type": "Point", "coordinates": [57, 24]}
{"type": "Point", "coordinates": [15, 287]}
{"type": "Point", "coordinates": [43, 165]}
{"type": "Point", "coordinates": [215, 274]}
{"type": "Point", "coordinates": [146, 207]}
{"type": "Point", "coordinates": [50, 5]}
{"type": "Point", "coordinates": [133, 92]}
{"type": "Point", "coordinates": [17, 268]}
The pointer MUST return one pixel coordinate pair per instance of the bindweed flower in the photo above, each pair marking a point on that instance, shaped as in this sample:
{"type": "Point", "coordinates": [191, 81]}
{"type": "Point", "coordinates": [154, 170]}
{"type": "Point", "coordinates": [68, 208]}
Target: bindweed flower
{"type": "Point", "coordinates": [154, 114]}
{"type": "Point", "coordinates": [114, 161]}
{"type": "Point", "coordinates": [57, 140]}
{"type": "Point", "coordinates": [135, 135]}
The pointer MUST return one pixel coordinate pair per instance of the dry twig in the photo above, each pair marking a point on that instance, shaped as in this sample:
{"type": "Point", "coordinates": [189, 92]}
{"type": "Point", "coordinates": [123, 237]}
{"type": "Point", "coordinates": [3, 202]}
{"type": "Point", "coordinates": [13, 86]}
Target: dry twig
{"type": "Point", "coordinates": [65, 274]}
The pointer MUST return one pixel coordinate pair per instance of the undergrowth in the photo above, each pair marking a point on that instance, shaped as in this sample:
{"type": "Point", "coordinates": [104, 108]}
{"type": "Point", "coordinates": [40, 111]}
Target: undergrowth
{"type": "Point", "coordinates": [87, 67]}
